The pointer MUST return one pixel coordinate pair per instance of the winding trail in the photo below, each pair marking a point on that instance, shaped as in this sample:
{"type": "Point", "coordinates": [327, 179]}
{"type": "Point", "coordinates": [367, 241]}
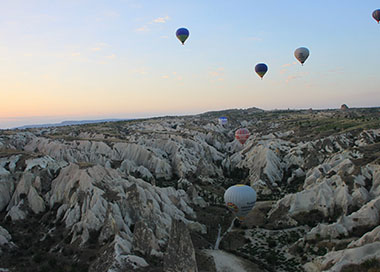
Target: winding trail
{"type": "Point", "coordinates": [219, 238]}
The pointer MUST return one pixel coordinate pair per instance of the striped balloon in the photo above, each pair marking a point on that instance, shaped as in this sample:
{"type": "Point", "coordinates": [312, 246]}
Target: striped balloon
{"type": "Point", "coordinates": [240, 200]}
{"type": "Point", "coordinates": [242, 135]}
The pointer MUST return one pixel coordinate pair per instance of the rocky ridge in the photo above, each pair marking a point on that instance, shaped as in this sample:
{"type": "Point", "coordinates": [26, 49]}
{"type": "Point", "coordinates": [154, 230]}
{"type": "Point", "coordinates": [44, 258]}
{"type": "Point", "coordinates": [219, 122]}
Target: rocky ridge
{"type": "Point", "coordinates": [110, 197]}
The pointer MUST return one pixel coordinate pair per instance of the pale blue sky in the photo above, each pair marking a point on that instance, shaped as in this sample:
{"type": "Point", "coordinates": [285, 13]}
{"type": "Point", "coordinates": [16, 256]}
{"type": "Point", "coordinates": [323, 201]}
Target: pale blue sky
{"type": "Point", "coordinates": [71, 59]}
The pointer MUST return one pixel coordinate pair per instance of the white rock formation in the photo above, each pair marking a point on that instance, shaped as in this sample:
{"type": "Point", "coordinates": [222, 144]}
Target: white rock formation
{"type": "Point", "coordinates": [336, 260]}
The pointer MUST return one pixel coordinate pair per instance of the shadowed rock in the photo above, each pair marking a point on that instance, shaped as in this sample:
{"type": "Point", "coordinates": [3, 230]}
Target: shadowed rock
{"type": "Point", "coordinates": [180, 254]}
{"type": "Point", "coordinates": [144, 240]}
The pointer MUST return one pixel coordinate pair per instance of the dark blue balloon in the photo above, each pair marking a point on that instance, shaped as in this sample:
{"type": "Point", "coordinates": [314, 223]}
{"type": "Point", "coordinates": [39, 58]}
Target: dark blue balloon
{"type": "Point", "coordinates": [182, 34]}
{"type": "Point", "coordinates": [261, 69]}
{"type": "Point", "coordinates": [182, 31]}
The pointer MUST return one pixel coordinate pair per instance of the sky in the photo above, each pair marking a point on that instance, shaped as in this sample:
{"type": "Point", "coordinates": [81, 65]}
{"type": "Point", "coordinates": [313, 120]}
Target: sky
{"type": "Point", "coordinates": [95, 59]}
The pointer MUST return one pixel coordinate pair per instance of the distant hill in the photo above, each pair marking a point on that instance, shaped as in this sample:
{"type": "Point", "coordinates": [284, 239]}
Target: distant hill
{"type": "Point", "coordinates": [231, 112]}
{"type": "Point", "coordinates": [70, 123]}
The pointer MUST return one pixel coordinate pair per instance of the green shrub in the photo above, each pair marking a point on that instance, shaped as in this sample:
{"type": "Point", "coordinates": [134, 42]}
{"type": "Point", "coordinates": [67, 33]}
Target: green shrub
{"type": "Point", "coordinates": [371, 263]}
{"type": "Point", "coordinates": [38, 257]}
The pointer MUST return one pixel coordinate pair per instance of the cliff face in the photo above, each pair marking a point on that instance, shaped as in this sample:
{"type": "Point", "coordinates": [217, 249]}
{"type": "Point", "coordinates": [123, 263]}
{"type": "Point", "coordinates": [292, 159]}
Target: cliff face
{"type": "Point", "coordinates": [109, 197]}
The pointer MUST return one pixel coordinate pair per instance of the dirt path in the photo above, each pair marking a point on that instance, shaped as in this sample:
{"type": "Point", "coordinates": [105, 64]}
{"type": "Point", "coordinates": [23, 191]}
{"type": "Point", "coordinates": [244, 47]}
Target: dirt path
{"type": "Point", "coordinates": [226, 262]}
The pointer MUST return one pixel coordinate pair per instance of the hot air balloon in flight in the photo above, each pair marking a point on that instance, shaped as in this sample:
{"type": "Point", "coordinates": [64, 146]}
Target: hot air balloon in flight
{"type": "Point", "coordinates": [240, 200]}
{"type": "Point", "coordinates": [242, 135]}
{"type": "Point", "coordinates": [182, 34]}
{"type": "Point", "coordinates": [261, 69]}
{"type": "Point", "coordinates": [223, 121]}
{"type": "Point", "coordinates": [376, 15]}
{"type": "Point", "coordinates": [301, 54]}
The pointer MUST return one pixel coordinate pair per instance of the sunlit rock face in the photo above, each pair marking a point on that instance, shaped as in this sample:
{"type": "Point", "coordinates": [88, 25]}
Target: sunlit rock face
{"type": "Point", "coordinates": [93, 198]}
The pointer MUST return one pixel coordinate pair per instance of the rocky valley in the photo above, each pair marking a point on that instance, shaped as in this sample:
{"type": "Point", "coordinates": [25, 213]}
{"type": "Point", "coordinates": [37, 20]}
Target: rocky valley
{"type": "Point", "coordinates": [147, 195]}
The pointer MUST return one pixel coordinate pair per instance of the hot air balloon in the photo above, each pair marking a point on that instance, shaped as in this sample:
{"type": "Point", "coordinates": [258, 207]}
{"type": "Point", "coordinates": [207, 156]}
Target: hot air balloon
{"type": "Point", "coordinates": [223, 121]}
{"type": "Point", "coordinates": [261, 69]}
{"type": "Point", "coordinates": [240, 200]}
{"type": "Point", "coordinates": [182, 34]}
{"type": "Point", "coordinates": [242, 135]}
{"type": "Point", "coordinates": [376, 15]}
{"type": "Point", "coordinates": [301, 54]}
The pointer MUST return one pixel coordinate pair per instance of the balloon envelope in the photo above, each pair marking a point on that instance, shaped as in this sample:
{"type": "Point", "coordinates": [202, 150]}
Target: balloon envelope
{"type": "Point", "coordinates": [223, 121]}
{"type": "Point", "coordinates": [242, 135]}
{"type": "Point", "coordinates": [261, 69]}
{"type": "Point", "coordinates": [240, 200]}
{"type": "Point", "coordinates": [182, 34]}
{"type": "Point", "coordinates": [376, 15]}
{"type": "Point", "coordinates": [301, 54]}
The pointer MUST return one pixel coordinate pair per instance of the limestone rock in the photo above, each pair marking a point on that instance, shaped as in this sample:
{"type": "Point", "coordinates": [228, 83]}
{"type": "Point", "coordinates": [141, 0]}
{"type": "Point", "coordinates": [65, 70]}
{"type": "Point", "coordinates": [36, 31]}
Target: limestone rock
{"type": "Point", "coordinates": [6, 191]}
{"type": "Point", "coordinates": [336, 260]}
{"type": "Point", "coordinates": [144, 240]}
{"type": "Point", "coordinates": [180, 253]}
{"type": "Point", "coordinates": [5, 239]}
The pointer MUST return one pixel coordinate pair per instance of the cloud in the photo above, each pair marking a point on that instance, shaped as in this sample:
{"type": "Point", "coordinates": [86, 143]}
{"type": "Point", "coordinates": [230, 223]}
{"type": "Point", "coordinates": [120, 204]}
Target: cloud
{"type": "Point", "coordinates": [102, 44]}
{"type": "Point", "coordinates": [289, 64]}
{"type": "Point", "coordinates": [112, 56]}
{"type": "Point", "coordinates": [99, 46]}
{"type": "Point", "coordinates": [140, 70]}
{"type": "Point", "coordinates": [293, 77]}
{"type": "Point", "coordinates": [285, 66]}
{"type": "Point", "coordinates": [75, 54]}
{"type": "Point", "coordinates": [173, 76]}
{"type": "Point", "coordinates": [161, 19]}
{"type": "Point", "coordinates": [164, 37]}
{"type": "Point", "coordinates": [217, 74]}
{"type": "Point", "coordinates": [142, 29]}
{"type": "Point", "coordinates": [290, 78]}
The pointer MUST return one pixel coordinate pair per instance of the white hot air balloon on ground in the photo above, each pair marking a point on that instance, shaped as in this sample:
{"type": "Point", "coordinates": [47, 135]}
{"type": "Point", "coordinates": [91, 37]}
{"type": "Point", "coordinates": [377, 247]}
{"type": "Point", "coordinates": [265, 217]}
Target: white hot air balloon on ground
{"type": "Point", "coordinates": [240, 200]}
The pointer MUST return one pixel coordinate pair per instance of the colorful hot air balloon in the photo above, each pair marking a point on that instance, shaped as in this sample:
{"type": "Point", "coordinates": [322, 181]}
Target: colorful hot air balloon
{"type": "Point", "coordinates": [261, 69]}
{"type": "Point", "coordinates": [223, 121]}
{"type": "Point", "coordinates": [240, 200]}
{"type": "Point", "coordinates": [301, 54]}
{"type": "Point", "coordinates": [182, 34]}
{"type": "Point", "coordinates": [376, 15]}
{"type": "Point", "coordinates": [242, 135]}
